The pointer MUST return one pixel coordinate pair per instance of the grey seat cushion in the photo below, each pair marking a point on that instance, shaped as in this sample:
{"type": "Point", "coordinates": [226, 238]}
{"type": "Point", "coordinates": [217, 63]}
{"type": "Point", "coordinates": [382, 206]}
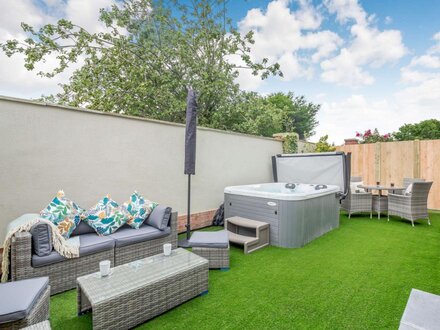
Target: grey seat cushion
{"type": "Point", "coordinates": [41, 239]}
{"type": "Point", "coordinates": [127, 236]}
{"type": "Point", "coordinates": [21, 298]}
{"type": "Point", "coordinates": [210, 239]}
{"type": "Point", "coordinates": [159, 217]}
{"type": "Point", "coordinates": [92, 243]}
{"type": "Point", "coordinates": [82, 229]}
{"type": "Point", "coordinates": [89, 244]}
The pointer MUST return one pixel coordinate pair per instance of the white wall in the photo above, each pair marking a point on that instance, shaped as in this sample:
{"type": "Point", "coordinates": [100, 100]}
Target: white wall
{"type": "Point", "coordinates": [44, 148]}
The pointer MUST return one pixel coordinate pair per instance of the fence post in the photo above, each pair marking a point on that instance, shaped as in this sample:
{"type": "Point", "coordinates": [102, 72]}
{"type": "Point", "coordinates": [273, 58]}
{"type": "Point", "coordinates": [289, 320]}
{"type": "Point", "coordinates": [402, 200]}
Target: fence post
{"type": "Point", "coordinates": [377, 162]}
{"type": "Point", "coordinates": [416, 154]}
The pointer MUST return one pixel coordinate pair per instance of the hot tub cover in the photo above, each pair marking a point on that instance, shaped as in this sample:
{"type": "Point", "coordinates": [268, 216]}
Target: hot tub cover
{"type": "Point", "coordinates": [330, 168]}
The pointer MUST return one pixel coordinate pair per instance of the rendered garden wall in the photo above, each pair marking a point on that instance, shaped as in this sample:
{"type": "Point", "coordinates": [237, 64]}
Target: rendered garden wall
{"type": "Point", "coordinates": [88, 154]}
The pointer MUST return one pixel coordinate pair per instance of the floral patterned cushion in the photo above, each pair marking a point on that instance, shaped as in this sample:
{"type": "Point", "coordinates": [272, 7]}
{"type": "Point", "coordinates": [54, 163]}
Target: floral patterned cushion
{"type": "Point", "coordinates": [106, 216]}
{"type": "Point", "coordinates": [63, 213]}
{"type": "Point", "coordinates": [139, 209]}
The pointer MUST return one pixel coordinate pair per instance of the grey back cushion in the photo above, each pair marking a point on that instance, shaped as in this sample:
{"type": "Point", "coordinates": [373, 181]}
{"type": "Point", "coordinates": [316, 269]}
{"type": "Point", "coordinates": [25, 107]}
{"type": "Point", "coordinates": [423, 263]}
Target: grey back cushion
{"type": "Point", "coordinates": [41, 239]}
{"type": "Point", "coordinates": [82, 229]}
{"type": "Point", "coordinates": [159, 217]}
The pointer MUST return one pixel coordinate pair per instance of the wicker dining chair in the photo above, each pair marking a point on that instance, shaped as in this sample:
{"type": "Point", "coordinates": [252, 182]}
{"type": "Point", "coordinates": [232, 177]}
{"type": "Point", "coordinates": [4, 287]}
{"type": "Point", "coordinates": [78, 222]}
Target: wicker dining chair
{"type": "Point", "coordinates": [413, 206]}
{"type": "Point", "coordinates": [408, 181]}
{"type": "Point", "coordinates": [357, 202]}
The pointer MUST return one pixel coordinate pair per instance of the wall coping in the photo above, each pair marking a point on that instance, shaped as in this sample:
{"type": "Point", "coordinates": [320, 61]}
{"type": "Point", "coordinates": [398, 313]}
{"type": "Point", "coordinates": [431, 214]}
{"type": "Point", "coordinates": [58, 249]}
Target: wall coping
{"type": "Point", "coordinates": [117, 115]}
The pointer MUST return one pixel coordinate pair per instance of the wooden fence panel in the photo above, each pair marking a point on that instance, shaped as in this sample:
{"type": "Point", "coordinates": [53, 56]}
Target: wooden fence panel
{"type": "Point", "coordinates": [390, 162]}
{"type": "Point", "coordinates": [397, 161]}
{"type": "Point", "coordinates": [430, 169]}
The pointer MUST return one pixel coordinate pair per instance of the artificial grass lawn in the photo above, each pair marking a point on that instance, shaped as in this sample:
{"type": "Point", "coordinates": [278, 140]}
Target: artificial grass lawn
{"type": "Point", "coordinates": [358, 276]}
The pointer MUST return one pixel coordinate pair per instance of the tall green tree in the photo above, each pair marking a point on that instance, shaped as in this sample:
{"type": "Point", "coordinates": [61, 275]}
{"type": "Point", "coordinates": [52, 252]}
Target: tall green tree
{"type": "Point", "coordinates": [298, 115]}
{"type": "Point", "coordinates": [249, 113]}
{"type": "Point", "coordinates": [424, 130]}
{"type": "Point", "coordinates": [150, 52]}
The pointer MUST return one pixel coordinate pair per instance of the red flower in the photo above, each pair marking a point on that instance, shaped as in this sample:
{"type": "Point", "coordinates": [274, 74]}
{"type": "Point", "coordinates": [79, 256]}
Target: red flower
{"type": "Point", "coordinates": [358, 134]}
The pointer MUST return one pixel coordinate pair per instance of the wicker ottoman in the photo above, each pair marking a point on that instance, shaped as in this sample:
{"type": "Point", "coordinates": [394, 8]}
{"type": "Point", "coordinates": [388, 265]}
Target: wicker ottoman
{"type": "Point", "coordinates": [213, 246]}
{"type": "Point", "coordinates": [27, 303]}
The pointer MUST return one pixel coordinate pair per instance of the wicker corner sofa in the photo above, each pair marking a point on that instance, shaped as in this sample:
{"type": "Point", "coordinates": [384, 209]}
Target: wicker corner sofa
{"type": "Point", "coordinates": [63, 273]}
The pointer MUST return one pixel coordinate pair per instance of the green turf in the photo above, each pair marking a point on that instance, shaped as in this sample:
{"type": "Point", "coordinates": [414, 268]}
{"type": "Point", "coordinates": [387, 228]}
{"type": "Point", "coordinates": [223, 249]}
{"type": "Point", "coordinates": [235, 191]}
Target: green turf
{"type": "Point", "coordinates": [358, 276]}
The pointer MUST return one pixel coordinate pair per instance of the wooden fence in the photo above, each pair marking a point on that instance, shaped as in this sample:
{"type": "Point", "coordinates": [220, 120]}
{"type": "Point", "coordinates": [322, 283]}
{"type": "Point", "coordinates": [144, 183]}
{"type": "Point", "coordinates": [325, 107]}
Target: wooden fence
{"type": "Point", "coordinates": [390, 162]}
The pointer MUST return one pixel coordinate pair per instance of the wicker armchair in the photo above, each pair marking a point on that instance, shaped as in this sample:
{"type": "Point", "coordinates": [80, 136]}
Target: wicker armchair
{"type": "Point", "coordinates": [406, 183]}
{"type": "Point", "coordinates": [411, 207]}
{"type": "Point", "coordinates": [357, 202]}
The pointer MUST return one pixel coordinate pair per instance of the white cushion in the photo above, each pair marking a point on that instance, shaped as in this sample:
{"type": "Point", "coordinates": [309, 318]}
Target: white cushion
{"type": "Point", "coordinates": [354, 187]}
{"type": "Point", "coordinates": [408, 190]}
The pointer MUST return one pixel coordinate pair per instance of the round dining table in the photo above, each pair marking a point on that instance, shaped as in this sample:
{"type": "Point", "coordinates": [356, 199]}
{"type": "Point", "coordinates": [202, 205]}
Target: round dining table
{"type": "Point", "coordinates": [380, 202]}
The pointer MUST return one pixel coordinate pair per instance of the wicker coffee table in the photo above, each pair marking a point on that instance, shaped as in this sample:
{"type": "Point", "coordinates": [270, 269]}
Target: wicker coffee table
{"type": "Point", "coordinates": [140, 290]}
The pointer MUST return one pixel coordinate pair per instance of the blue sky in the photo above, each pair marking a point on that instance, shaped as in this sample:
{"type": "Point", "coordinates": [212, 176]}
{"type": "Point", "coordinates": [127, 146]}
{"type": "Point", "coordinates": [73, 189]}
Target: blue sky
{"type": "Point", "coordinates": [368, 63]}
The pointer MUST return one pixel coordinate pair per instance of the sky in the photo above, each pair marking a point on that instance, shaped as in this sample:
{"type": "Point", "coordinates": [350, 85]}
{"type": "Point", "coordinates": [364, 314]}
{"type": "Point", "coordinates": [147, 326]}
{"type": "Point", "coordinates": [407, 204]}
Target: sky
{"type": "Point", "coordinates": [370, 64]}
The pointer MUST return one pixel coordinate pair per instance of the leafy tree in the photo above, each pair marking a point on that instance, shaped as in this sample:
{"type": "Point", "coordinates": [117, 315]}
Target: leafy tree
{"type": "Point", "coordinates": [424, 130]}
{"type": "Point", "coordinates": [249, 113]}
{"type": "Point", "coordinates": [150, 52]}
{"type": "Point", "coordinates": [323, 145]}
{"type": "Point", "coordinates": [298, 115]}
{"type": "Point", "coordinates": [372, 137]}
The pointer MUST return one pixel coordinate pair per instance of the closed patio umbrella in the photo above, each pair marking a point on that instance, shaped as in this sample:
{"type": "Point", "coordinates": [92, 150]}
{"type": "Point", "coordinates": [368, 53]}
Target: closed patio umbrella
{"type": "Point", "coordinates": [190, 154]}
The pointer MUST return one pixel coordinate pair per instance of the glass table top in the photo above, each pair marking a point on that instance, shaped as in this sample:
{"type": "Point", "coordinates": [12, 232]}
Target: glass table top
{"type": "Point", "coordinates": [136, 274]}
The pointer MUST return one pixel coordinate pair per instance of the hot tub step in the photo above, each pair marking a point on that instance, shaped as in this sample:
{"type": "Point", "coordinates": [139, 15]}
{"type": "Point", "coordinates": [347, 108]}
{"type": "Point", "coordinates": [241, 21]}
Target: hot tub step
{"type": "Point", "coordinates": [252, 234]}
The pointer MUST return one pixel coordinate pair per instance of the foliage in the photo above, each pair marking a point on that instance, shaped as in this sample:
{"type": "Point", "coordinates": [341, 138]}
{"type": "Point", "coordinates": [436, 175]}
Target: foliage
{"type": "Point", "coordinates": [424, 130]}
{"type": "Point", "coordinates": [142, 64]}
{"type": "Point", "coordinates": [323, 145]}
{"type": "Point", "coordinates": [248, 113]}
{"type": "Point", "coordinates": [298, 115]}
{"type": "Point", "coordinates": [290, 143]}
{"type": "Point", "coordinates": [373, 137]}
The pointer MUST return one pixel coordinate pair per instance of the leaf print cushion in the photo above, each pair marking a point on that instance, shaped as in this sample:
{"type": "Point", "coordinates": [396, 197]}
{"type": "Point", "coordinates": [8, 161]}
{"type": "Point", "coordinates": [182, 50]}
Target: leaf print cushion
{"type": "Point", "coordinates": [138, 209]}
{"type": "Point", "coordinates": [106, 216]}
{"type": "Point", "coordinates": [63, 213]}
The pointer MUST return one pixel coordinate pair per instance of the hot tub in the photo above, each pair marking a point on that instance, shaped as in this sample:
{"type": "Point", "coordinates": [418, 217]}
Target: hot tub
{"type": "Point", "coordinates": [296, 216]}
{"type": "Point", "coordinates": [303, 202]}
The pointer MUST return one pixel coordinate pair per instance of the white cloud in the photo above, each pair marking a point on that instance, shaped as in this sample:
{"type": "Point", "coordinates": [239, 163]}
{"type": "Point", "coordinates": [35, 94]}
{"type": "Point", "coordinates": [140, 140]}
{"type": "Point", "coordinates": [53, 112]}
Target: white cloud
{"type": "Point", "coordinates": [422, 76]}
{"type": "Point", "coordinates": [85, 13]}
{"type": "Point", "coordinates": [369, 46]}
{"type": "Point", "coordinates": [342, 119]}
{"type": "Point", "coordinates": [15, 80]}
{"type": "Point", "coordinates": [357, 113]}
{"type": "Point", "coordinates": [417, 100]}
{"type": "Point", "coordinates": [289, 37]}
{"type": "Point", "coordinates": [346, 11]}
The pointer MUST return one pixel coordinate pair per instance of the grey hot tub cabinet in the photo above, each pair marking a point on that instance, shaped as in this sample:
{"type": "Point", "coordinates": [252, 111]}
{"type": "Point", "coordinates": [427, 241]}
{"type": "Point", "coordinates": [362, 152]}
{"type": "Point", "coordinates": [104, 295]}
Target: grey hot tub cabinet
{"type": "Point", "coordinates": [292, 223]}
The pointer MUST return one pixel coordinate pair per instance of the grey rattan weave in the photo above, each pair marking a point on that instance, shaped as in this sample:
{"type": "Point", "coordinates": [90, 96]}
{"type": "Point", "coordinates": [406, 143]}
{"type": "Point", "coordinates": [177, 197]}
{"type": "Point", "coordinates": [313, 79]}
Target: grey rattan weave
{"type": "Point", "coordinates": [63, 275]}
{"type": "Point", "coordinates": [218, 258]}
{"type": "Point", "coordinates": [129, 253]}
{"type": "Point", "coordinates": [357, 202]}
{"type": "Point", "coordinates": [412, 207]}
{"type": "Point", "coordinates": [45, 325]}
{"type": "Point", "coordinates": [143, 289]}
{"type": "Point", "coordinates": [39, 313]}
{"type": "Point", "coordinates": [380, 204]}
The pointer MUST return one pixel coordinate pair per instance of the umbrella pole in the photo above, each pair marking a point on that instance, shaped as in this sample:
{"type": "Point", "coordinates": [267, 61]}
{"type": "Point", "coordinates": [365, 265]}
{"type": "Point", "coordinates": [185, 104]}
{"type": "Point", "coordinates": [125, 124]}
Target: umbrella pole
{"type": "Point", "coordinates": [188, 217]}
{"type": "Point", "coordinates": [184, 242]}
